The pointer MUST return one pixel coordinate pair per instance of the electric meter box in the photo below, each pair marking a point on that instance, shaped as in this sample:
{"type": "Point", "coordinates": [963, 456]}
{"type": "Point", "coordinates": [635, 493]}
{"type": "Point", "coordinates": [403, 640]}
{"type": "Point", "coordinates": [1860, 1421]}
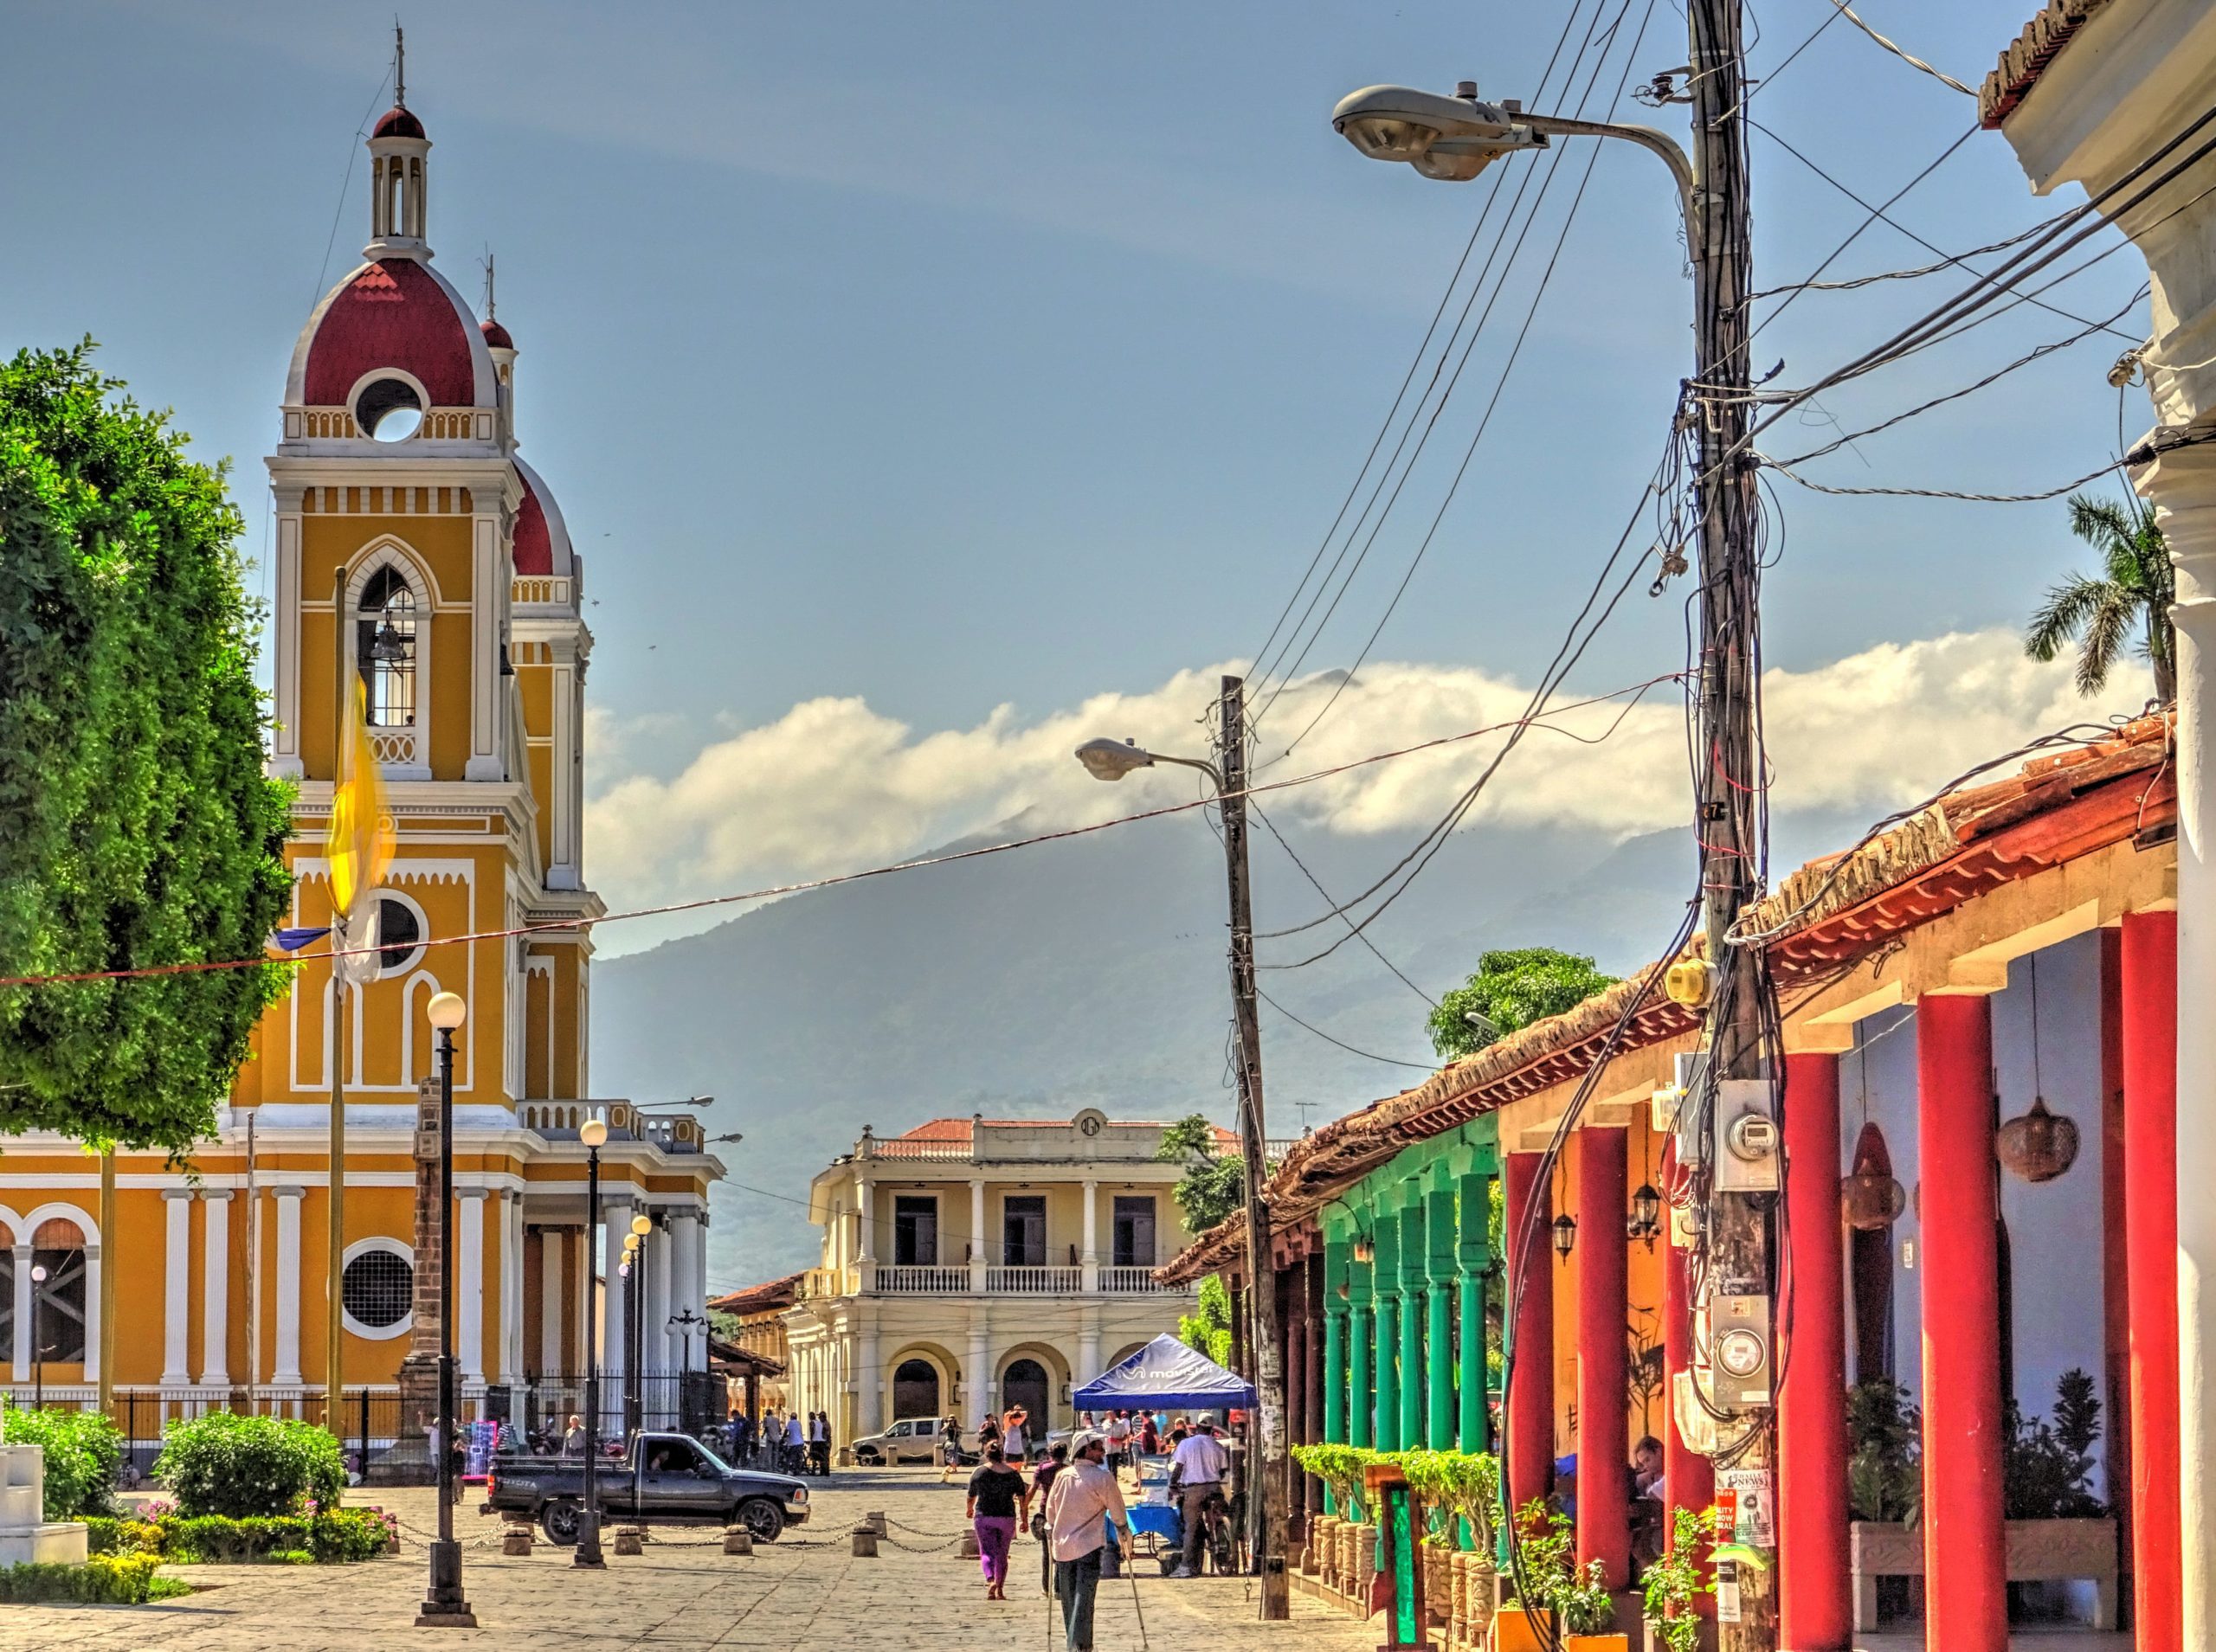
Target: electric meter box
{"type": "Point", "coordinates": [1746, 1152]}
{"type": "Point", "coordinates": [1739, 1351]}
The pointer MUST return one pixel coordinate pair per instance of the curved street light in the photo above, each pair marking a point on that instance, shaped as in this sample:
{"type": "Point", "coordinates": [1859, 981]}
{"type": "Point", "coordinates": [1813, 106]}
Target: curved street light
{"type": "Point", "coordinates": [445, 1606]}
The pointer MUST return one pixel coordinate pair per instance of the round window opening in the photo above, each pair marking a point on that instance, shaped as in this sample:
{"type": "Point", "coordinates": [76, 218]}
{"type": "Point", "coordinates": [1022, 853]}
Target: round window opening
{"type": "Point", "coordinates": [400, 937]}
{"type": "Point", "coordinates": [379, 1288]}
{"type": "Point", "coordinates": [389, 410]}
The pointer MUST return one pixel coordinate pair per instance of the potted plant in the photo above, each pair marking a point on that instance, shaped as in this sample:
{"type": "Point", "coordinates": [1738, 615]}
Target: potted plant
{"type": "Point", "coordinates": [1674, 1580]}
{"type": "Point", "coordinates": [1557, 1604]}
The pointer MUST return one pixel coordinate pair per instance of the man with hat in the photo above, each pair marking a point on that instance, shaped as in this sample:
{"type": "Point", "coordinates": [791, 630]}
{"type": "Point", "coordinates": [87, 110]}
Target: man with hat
{"type": "Point", "coordinates": [1083, 1496]}
{"type": "Point", "coordinates": [1196, 1473]}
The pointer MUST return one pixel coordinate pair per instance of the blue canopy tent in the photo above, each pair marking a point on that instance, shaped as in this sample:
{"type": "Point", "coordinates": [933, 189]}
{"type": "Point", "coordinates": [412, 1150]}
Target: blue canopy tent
{"type": "Point", "coordinates": [1164, 1373]}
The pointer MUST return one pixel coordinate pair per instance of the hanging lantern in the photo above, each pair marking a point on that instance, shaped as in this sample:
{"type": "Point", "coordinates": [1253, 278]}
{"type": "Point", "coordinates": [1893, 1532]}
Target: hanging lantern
{"type": "Point", "coordinates": [2040, 1145]}
{"type": "Point", "coordinates": [1872, 1199]}
{"type": "Point", "coordinates": [1565, 1234]}
{"type": "Point", "coordinates": [1646, 1214]}
{"type": "Point", "coordinates": [1365, 1248]}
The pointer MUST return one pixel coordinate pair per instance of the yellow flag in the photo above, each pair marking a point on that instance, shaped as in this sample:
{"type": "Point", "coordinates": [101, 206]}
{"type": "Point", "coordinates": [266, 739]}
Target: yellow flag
{"type": "Point", "coordinates": [360, 844]}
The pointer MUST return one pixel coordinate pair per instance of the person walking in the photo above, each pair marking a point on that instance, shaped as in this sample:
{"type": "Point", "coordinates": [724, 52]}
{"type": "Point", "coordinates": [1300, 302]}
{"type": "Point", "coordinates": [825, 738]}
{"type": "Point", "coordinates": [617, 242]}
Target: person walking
{"type": "Point", "coordinates": [1012, 1433]}
{"type": "Point", "coordinates": [1196, 1472]}
{"type": "Point", "coordinates": [1058, 1456]}
{"type": "Point", "coordinates": [795, 1444]}
{"type": "Point", "coordinates": [818, 1443]}
{"type": "Point", "coordinates": [1083, 1498]}
{"type": "Point", "coordinates": [949, 1447]}
{"type": "Point", "coordinates": [1119, 1434]}
{"type": "Point", "coordinates": [573, 1437]}
{"type": "Point", "coordinates": [994, 1491]}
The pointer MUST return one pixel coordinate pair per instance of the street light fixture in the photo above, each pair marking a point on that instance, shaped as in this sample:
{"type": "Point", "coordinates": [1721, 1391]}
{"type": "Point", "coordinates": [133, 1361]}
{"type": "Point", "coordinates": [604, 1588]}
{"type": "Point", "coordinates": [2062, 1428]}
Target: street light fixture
{"type": "Point", "coordinates": [1113, 759]}
{"type": "Point", "coordinates": [635, 1353]}
{"type": "Point", "coordinates": [445, 1606]}
{"type": "Point", "coordinates": [38, 1348]}
{"type": "Point", "coordinates": [594, 1133]}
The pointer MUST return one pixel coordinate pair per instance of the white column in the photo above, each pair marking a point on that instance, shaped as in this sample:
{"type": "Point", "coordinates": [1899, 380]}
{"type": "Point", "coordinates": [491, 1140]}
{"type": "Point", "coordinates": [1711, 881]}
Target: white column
{"type": "Point", "coordinates": [1088, 1345]}
{"type": "Point", "coordinates": [578, 1250]}
{"type": "Point", "coordinates": [1089, 1260]}
{"type": "Point", "coordinates": [485, 599]}
{"type": "Point", "coordinates": [869, 1375]}
{"type": "Point", "coordinates": [977, 1233]}
{"type": "Point", "coordinates": [977, 1375]}
{"type": "Point", "coordinates": [288, 1371]}
{"type": "Point", "coordinates": [215, 1291]}
{"type": "Point", "coordinates": [657, 1344]}
{"type": "Point", "coordinates": [616, 1222]}
{"type": "Point", "coordinates": [20, 1362]}
{"type": "Point", "coordinates": [176, 1286]}
{"type": "Point", "coordinates": [93, 1266]}
{"type": "Point", "coordinates": [285, 622]}
{"type": "Point", "coordinates": [512, 1287]}
{"type": "Point", "coordinates": [469, 1285]}
{"type": "Point", "coordinates": [553, 1251]}
{"type": "Point", "coordinates": [686, 1295]}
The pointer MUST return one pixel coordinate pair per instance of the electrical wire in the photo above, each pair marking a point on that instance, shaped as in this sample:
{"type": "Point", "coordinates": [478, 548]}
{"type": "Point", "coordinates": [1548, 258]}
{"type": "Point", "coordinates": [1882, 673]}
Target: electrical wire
{"type": "Point", "coordinates": [1390, 1061]}
{"type": "Point", "coordinates": [1255, 809]}
{"type": "Point", "coordinates": [1906, 56]}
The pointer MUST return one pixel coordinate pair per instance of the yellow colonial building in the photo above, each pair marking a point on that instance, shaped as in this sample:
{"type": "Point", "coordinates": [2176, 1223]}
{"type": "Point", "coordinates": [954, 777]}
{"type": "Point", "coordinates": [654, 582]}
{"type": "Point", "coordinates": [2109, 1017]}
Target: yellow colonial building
{"type": "Point", "coordinates": [416, 555]}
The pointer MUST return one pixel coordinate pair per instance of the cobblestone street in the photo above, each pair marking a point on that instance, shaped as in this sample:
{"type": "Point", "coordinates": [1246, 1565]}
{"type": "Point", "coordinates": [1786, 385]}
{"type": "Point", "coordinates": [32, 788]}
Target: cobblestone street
{"type": "Point", "coordinates": [804, 1593]}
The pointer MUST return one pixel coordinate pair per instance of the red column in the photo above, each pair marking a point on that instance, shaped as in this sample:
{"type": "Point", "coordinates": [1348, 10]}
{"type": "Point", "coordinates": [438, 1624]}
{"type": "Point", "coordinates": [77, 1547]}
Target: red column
{"type": "Point", "coordinates": [1688, 1477]}
{"type": "Point", "coordinates": [1529, 1435]}
{"type": "Point", "coordinates": [2116, 1228]}
{"type": "Point", "coordinates": [1815, 1608]}
{"type": "Point", "coordinates": [1966, 1596]}
{"type": "Point", "coordinates": [1603, 1378]}
{"type": "Point", "coordinates": [2151, 1168]}
{"type": "Point", "coordinates": [1292, 1320]}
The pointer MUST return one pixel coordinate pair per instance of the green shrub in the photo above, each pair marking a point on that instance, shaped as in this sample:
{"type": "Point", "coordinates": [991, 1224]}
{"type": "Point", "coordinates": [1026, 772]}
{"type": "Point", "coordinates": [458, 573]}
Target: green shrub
{"type": "Point", "coordinates": [84, 1453]}
{"type": "Point", "coordinates": [339, 1534]}
{"type": "Point", "coordinates": [106, 1580]}
{"type": "Point", "coordinates": [248, 1467]}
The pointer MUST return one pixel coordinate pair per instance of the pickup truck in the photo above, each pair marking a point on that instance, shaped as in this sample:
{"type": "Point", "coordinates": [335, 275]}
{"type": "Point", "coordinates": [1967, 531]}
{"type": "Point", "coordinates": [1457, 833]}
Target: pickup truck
{"type": "Point", "coordinates": [663, 1477]}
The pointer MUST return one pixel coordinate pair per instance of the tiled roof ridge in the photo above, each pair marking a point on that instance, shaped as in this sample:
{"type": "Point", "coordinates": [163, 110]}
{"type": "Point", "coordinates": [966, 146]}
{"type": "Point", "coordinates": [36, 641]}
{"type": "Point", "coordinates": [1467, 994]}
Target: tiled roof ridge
{"type": "Point", "coordinates": [2027, 56]}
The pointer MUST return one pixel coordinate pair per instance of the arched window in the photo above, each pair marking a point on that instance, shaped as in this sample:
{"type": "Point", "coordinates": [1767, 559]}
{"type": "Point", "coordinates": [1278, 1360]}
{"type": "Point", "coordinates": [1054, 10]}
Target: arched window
{"type": "Point", "coordinates": [384, 649]}
{"type": "Point", "coordinates": [58, 1299]}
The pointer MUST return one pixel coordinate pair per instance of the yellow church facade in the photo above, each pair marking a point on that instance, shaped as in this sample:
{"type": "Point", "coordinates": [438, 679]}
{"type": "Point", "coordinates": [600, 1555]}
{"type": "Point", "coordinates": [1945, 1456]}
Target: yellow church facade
{"type": "Point", "coordinates": [419, 563]}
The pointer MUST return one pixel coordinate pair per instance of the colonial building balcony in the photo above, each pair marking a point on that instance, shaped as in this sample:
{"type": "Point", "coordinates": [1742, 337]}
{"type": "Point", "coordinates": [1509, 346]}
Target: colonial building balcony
{"type": "Point", "coordinates": [993, 1279]}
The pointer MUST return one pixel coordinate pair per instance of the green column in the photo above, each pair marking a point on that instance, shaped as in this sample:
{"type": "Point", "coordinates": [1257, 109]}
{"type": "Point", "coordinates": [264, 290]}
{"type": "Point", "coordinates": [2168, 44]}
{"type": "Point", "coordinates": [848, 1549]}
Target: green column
{"type": "Point", "coordinates": [1334, 1350]}
{"type": "Point", "coordinates": [1439, 1332]}
{"type": "Point", "coordinates": [1386, 1273]}
{"type": "Point", "coordinates": [1472, 1257]}
{"type": "Point", "coordinates": [1360, 1405]}
{"type": "Point", "coordinates": [1412, 1316]}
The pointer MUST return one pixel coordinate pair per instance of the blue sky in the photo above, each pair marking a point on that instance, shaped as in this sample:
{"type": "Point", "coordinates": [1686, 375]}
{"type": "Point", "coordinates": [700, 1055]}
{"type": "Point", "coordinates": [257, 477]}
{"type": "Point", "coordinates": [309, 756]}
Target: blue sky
{"type": "Point", "coordinates": [947, 357]}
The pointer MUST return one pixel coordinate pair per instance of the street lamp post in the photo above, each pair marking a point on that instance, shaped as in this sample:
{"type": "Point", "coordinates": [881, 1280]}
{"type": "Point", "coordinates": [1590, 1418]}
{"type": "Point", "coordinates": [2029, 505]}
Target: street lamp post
{"type": "Point", "coordinates": [594, 1133]}
{"type": "Point", "coordinates": [445, 1606]}
{"type": "Point", "coordinates": [1455, 138]}
{"type": "Point", "coordinates": [1269, 1504]}
{"type": "Point", "coordinates": [38, 1348]}
{"type": "Point", "coordinates": [634, 1246]}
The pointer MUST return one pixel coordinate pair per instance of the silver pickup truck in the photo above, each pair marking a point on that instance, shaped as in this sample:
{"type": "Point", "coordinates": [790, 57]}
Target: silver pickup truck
{"type": "Point", "coordinates": [669, 1478]}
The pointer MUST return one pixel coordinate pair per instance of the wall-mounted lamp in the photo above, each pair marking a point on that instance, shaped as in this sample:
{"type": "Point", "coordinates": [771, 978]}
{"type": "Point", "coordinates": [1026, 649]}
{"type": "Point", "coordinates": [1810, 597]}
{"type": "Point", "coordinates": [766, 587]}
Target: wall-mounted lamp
{"type": "Point", "coordinates": [1565, 1234]}
{"type": "Point", "coordinates": [1646, 1215]}
{"type": "Point", "coordinates": [1365, 1248]}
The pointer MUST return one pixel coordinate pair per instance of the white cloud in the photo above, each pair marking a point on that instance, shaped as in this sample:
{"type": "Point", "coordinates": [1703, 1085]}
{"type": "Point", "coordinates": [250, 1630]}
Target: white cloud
{"type": "Point", "coordinates": [833, 786]}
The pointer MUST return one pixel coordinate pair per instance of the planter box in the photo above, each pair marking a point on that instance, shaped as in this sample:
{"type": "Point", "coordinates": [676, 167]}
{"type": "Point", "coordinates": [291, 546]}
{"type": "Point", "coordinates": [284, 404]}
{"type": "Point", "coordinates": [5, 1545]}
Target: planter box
{"type": "Point", "coordinates": [1516, 1631]}
{"type": "Point", "coordinates": [1437, 1583]}
{"type": "Point", "coordinates": [1320, 1559]}
{"type": "Point", "coordinates": [2038, 1552]}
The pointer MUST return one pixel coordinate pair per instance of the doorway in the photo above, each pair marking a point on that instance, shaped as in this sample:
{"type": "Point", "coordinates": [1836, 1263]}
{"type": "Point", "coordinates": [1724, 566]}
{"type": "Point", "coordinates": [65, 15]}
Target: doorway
{"type": "Point", "coordinates": [1024, 1383]}
{"type": "Point", "coordinates": [1870, 1270]}
{"type": "Point", "coordinates": [1023, 1231]}
{"type": "Point", "coordinates": [915, 1389]}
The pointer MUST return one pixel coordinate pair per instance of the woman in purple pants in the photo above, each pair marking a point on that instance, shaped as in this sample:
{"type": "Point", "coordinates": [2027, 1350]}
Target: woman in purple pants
{"type": "Point", "coordinates": [994, 1491]}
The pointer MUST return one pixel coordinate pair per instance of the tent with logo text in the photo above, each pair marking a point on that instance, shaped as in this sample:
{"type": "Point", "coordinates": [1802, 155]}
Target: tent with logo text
{"type": "Point", "coordinates": [1168, 1373]}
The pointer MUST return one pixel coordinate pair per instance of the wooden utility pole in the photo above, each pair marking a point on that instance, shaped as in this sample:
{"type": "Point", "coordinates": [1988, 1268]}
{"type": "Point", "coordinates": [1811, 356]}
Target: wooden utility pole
{"type": "Point", "coordinates": [1268, 1479]}
{"type": "Point", "coordinates": [1739, 1241]}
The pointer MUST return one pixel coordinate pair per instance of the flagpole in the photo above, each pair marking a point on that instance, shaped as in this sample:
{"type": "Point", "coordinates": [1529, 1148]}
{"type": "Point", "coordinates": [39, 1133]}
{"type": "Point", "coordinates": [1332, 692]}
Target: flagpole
{"type": "Point", "coordinates": [335, 1306]}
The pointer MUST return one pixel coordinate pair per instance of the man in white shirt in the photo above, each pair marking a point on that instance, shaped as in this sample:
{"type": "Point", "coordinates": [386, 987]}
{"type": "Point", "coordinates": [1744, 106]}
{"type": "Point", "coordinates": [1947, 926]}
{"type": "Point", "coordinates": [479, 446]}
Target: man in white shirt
{"type": "Point", "coordinates": [1083, 1496]}
{"type": "Point", "coordinates": [1197, 1471]}
{"type": "Point", "coordinates": [1120, 1442]}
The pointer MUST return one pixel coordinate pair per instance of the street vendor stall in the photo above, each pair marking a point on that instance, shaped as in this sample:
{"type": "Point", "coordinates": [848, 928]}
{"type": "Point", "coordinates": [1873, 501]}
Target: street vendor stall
{"type": "Point", "coordinates": [1165, 1374]}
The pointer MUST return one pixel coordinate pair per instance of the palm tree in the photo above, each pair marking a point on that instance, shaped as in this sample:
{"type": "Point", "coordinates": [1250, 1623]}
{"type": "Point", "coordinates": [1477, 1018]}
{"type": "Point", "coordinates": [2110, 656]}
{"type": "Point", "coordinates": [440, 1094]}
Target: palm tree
{"type": "Point", "coordinates": [2136, 590]}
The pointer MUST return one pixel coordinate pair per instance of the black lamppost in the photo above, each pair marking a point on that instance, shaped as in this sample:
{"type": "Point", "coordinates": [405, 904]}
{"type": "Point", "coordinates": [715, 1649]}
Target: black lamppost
{"type": "Point", "coordinates": [38, 1348]}
{"type": "Point", "coordinates": [445, 1606]}
{"type": "Point", "coordinates": [593, 1133]}
{"type": "Point", "coordinates": [634, 1279]}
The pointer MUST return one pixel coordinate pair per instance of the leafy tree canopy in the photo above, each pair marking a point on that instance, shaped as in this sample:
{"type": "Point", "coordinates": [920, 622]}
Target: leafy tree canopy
{"type": "Point", "coordinates": [1214, 1184]}
{"type": "Point", "coordinates": [138, 828]}
{"type": "Point", "coordinates": [1511, 989]}
{"type": "Point", "coordinates": [1209, 1330]}
{"type": "Point", "coordinates": [2132, 593]}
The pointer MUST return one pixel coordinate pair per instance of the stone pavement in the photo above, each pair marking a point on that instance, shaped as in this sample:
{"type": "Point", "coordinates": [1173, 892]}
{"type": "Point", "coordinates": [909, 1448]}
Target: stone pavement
{"type": "Point", "coordinates": [804, 1593]}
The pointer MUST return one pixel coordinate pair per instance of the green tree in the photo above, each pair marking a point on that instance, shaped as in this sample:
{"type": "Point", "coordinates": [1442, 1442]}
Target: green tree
{"type": "Point", "coordinates": [2134, 592]}
{"type": "Point", "coordinates": [1209, 1330]}
{"type": "Point", "coordinates": [138, 826]}
{"type": "Point", "coordinates": [1511, 989]}
{"type": "Point", "coordinates": [1214, 1185]}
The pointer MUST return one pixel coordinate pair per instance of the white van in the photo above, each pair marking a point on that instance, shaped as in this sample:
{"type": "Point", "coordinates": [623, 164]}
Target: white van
{"type": "Point", "coordinates": [912, 1439]}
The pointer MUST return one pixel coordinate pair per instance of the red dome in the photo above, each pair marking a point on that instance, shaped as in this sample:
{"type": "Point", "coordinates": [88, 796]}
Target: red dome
{"type": "Point", "coordinates": [395, 313]}
{"type": "Point", "coordinates": [542, 539]}
{"type": "Point", "coordinates": [398, 123]}
{"type": "Point", "coordinates": [496, 336]}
